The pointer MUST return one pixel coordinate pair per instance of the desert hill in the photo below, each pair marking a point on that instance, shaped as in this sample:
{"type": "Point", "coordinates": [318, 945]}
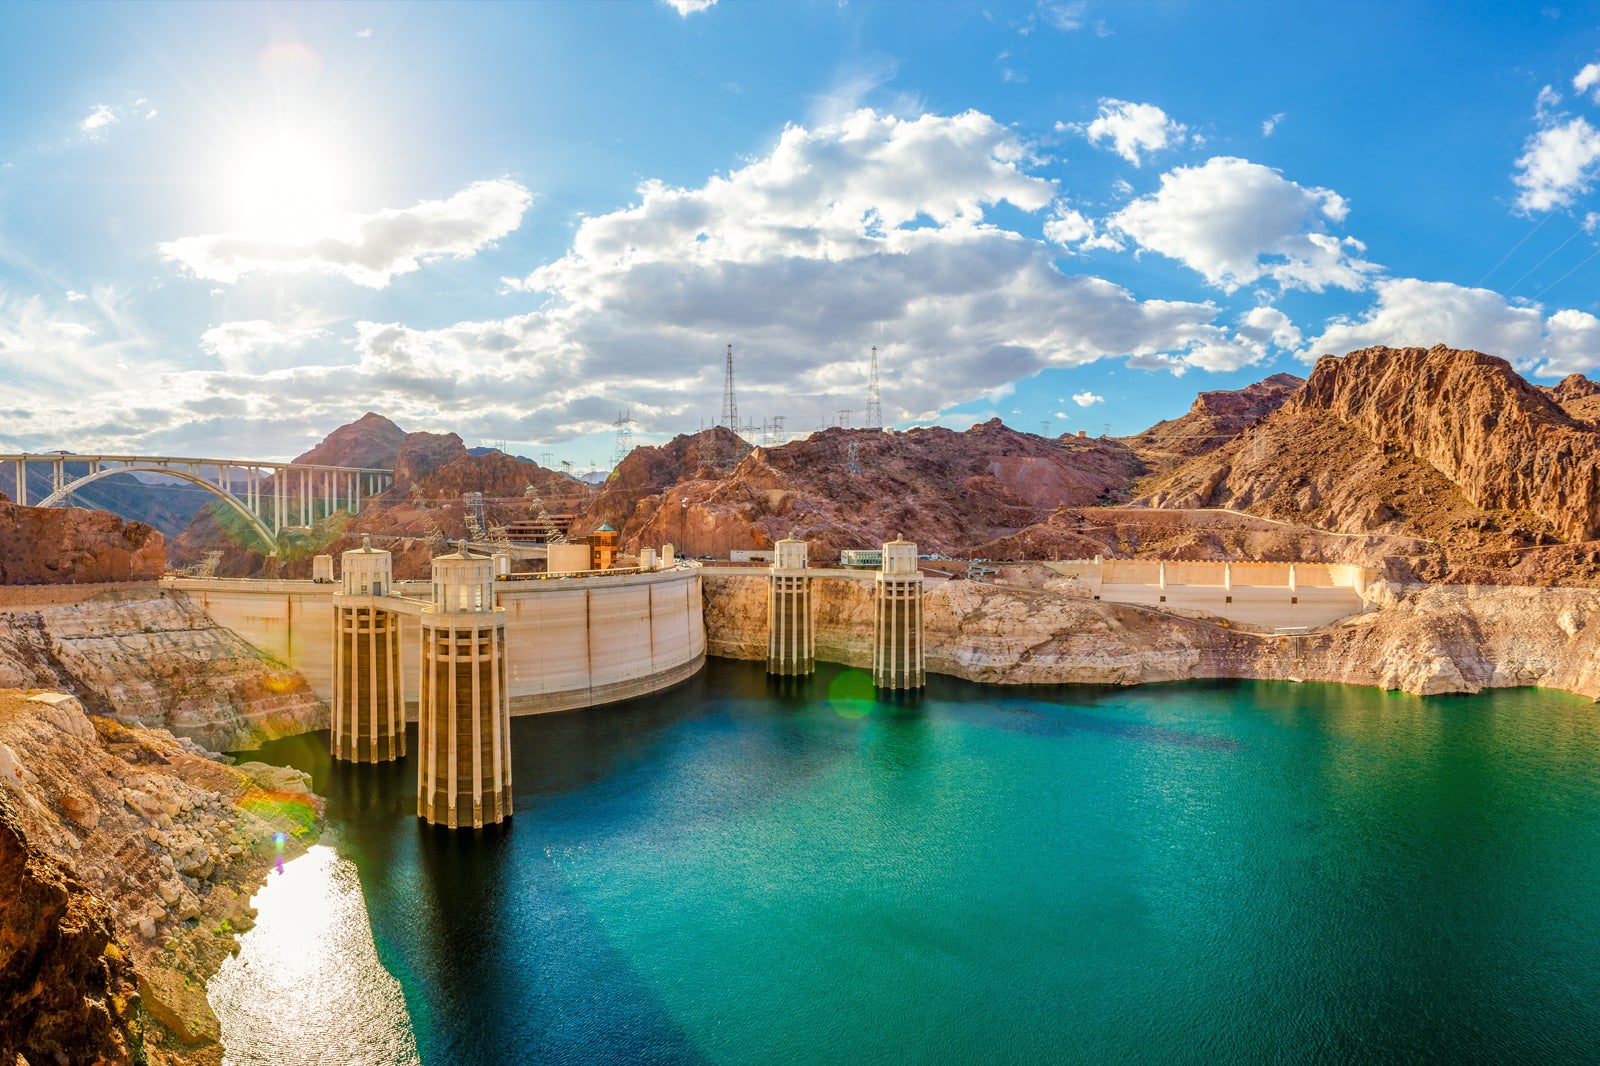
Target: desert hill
{"type": "Point", "coordinates": [845, 488]}
{"type": "Point", "coordinates": [1215, 419]}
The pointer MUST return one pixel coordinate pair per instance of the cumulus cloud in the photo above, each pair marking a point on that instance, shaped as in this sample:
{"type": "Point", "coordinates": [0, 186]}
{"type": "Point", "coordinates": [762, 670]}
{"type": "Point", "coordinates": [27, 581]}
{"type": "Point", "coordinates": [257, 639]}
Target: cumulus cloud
{"type": "Point", "coordinates": [1133, 128]}
{"type": "Point", "coordinates": [1067, 226]}
{"type": "Point", "coordinates": [1265, 325]}
{"type": "Point", "coordinates": [868, 230]}
{"type": "Point", "coordinates": [1084, 399]}
{"type": "Point", "coordinates": [689, 7]}
{"type": "Point", "coordinates": [1557, 165]}
{"type": "Point", "coordinates": [1413, 313]}
{"type": "Point", "coordinates": [1235, 221]}
{"type": "Point", "coordinates": [367, 249]}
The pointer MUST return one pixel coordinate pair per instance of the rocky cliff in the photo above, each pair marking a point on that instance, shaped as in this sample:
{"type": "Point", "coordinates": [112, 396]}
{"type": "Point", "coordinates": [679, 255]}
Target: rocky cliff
{"type": "Point", "coordinates": [69, 545]}
{"type": "Point", "coordinates": [1424, 641]}
{"type": "Point", "coordinates": [1503, 442]}
{"type": "Point", "coordinates": [149, 852]}
{"type": "Point", "coordinates": [1213, 420]}
{"type": "Point", "coordinates": [151, 657]}
{"type": "Point", "coordinates": [1448, 446]}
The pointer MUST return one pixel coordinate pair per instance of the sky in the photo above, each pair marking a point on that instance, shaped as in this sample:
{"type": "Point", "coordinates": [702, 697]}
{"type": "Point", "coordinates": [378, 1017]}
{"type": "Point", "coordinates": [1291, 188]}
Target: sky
{"type": "Point", "coordinates": [227, 229]}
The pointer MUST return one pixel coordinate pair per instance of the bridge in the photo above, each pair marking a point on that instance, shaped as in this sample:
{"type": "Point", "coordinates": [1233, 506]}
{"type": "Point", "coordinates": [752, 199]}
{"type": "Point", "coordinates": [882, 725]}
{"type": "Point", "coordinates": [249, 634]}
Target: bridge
{"type": "Point", "coordinates": [270, 497]}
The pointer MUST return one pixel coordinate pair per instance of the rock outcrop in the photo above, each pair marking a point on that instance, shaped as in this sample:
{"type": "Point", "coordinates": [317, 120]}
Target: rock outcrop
{"type": "Point", "coordinates": [67, 990]}
{"type": "Point", "coordinates": [151, 657]}
{"type": "Point", "coordinates": [1503, 442]}
{"type": "Point", "coordinates": [69, 545]}
{"type": "Point", "coordinates": [1213, 420]}
{"type": "Point", "coordinates": [148, 851]}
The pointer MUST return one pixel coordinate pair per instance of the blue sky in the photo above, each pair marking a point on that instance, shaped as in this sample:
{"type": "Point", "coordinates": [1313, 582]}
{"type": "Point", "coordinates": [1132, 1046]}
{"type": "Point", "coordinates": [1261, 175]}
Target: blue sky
{"type": "Point", "coordinates": [228, 229]}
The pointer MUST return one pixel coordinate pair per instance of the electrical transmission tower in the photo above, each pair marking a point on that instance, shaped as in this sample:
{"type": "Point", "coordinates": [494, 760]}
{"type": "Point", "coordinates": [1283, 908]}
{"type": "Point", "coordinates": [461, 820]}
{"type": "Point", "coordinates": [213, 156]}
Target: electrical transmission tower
{"type": "Point", "coordinates": [624, 424]}
{"type": "Point", "coordinates": [844, 419]}
{"type": "Point", "coordinates": [852, 458]}
{"type": "Point", "coordinates": [874, 407]}
{"type": "Point", "coordinates": [545, 458]}
{"type": "Point", "coordinates": [730, 407]}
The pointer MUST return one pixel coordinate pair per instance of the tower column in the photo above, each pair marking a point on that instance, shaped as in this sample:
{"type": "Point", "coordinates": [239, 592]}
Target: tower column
{"type": "Point", "coordinates": [897, 652]}
{"type": "Point", "coordinates": [791, 642]}
{"type": "Point", "coordinates": [464, 714]}
{"type": "Point", "coordinates": [366, 656]}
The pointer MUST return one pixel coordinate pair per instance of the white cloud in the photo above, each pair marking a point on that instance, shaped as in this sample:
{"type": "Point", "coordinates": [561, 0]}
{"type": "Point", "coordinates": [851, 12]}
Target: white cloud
{"type": "Point", "coordinates": [689, 7]}
{"type": "Point", "coordinates": [1557, 165]}
{"type": "Point", "coordinates": [1133, 128]}
{"type": "Point", "coordinates": [1586, 79]}
{"type": "Point", "coordinates": [1270, 124]}
{"type": "Point", "coordinates": [1572, 344]}
{"type": "Point", "coordinates": [73, 296]}
{"type": "Point", "coordinates": [101, 117]}
{"type": "Point", "coordinates": [254, 345]}
{"type": "Point", "coordinates": [1547, 101]}
{"type": "Point", "coordinates": [1064, 14]}
{"type": "Point", "coordinates": [870, 230]}
{"type": "Point", "coordinates": [364, 32]}
{"type": "Point", "coordinates": [1268, 324]}
{"type": "Point", "coordinates": [1226, 354]}
{"type": "Point", "coordinates": [1235, 221]}
{"type": "Point", "coordinates": [367, 249]}
{"type": "Point", "coordinates": [1086, 399]}
{"type": "Point", "coordinates": [1413, 313]}
{"type": "Point", "coordinates": [1066, 226]}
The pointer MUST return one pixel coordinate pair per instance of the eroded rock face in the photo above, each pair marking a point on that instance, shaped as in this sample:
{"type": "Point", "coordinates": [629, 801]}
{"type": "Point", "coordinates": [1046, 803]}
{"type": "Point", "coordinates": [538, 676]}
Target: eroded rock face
{"type": "Point", "coordinates": [69, 545]}
{"type": "Point", "coordinates": [1503, 442]}
{"type": "Point", "coordinates": [149, 851]}
{"type": "Point", "coordinates": [1216, 418]}
{"type": "Point", "coordinates": [66, 987]}
{"type": "Point", "coordinates": [151, 657]}
{"type": "Point", "coordinates": [1438, 639]}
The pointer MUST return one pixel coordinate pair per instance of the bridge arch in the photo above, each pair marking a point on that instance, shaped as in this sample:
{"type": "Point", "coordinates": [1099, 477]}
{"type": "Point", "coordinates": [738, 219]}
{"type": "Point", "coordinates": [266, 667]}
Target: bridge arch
{"type": "Point", "coordinates": [233, 501]}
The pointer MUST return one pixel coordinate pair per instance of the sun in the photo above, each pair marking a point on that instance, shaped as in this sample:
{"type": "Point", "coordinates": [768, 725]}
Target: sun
{"type": "Point", "coordinates": [287, 184]}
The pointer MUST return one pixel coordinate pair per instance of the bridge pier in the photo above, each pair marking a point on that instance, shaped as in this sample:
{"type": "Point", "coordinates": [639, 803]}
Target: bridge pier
{"type": "Point", "coordinates": [464, 710]}
{"type": "Point", "coordinates": [791, 643]}
{"type": "Point", "coordinates": [898, 653]}
{"type": "Point", "coordinates": [369, 720]}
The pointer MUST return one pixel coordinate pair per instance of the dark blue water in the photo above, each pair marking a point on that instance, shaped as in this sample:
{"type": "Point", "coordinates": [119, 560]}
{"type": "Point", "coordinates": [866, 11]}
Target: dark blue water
{"type": "Point", "coordinates": [746, 871]}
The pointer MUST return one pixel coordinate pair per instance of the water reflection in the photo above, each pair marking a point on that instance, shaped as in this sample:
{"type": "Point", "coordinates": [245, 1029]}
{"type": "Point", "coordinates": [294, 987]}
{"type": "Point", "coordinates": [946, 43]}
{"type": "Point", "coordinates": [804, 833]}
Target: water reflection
{"type": "Point", "coordinates": [307, 986]}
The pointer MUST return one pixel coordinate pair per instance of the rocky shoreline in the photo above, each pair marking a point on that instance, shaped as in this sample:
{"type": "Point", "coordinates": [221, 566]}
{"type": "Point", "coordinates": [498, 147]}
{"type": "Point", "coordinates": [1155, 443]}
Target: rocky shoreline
{"type": "Point", "coordinates": [132, 856]}
{"type": "Point", "coordinates": [1424, 640]}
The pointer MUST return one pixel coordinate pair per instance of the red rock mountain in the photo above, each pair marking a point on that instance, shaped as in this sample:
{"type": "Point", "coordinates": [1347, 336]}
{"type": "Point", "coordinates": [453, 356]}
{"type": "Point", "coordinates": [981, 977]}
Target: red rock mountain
{"type": "Point", "coordinates": [1214, 419]}
{"type": "Point", "coordinates": [68, 545]}
{"type": "Point", "coordinates": [854, 488]}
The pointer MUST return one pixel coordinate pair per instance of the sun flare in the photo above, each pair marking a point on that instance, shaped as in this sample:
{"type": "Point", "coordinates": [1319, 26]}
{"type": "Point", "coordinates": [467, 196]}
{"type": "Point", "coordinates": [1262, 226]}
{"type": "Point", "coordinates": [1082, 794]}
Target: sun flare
{"type": "Point", "coordinates": [288, 184]}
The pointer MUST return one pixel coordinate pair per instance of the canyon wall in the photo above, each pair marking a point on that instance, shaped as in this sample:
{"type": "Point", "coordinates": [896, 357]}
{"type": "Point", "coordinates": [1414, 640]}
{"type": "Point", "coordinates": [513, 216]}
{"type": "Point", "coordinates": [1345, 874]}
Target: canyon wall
{"type": "Point", "coordinates": [1425, 641]}
{"type": "Point", "coordinates": [151, 657]}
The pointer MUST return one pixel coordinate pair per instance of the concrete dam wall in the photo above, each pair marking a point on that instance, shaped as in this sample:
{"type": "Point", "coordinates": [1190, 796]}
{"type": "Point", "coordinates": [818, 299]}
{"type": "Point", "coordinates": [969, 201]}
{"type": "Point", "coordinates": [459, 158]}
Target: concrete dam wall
{"type": "Point", "coordinates": [570, 642]}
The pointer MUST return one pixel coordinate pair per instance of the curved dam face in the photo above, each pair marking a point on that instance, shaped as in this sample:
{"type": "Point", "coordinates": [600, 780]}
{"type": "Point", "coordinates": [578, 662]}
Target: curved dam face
{"type": "Point", "coordinates": [570, 642]}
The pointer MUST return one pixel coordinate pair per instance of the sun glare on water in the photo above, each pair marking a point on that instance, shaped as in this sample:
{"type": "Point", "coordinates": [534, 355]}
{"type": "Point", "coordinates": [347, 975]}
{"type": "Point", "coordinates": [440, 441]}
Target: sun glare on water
{"type": "Point", "coordinates": [307, 985]}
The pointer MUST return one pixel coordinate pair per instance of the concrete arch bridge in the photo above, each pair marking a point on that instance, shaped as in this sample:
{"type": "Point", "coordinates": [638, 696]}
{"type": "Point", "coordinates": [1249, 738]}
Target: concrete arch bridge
{"type": "Point", "coordinates": [270, 497]}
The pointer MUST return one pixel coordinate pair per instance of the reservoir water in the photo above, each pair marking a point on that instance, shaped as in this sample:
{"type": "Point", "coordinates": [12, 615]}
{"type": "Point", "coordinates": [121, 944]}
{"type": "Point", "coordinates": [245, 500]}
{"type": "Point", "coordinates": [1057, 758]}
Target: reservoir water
{"type": "Point", "coordinates": [742, 871]}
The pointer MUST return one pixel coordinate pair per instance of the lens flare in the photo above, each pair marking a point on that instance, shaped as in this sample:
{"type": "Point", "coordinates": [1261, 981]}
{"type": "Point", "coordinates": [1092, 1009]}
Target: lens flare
{"type": "Point", "coordinates": [851, 694]}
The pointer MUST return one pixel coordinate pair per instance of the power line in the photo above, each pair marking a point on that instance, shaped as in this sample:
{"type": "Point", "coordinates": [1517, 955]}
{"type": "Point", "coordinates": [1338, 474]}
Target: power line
{"type": "Point", "coordinates": [1565, 276]}
{"type": "Point", "coordinates": [1513, 251]}
{"type": "Point", "coordinates": [1543, 261]}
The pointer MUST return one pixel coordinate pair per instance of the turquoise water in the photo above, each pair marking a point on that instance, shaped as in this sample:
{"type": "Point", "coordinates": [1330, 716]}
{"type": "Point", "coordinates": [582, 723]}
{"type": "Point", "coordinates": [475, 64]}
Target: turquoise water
{"type": "Point", "coordinates": [742, 871]}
